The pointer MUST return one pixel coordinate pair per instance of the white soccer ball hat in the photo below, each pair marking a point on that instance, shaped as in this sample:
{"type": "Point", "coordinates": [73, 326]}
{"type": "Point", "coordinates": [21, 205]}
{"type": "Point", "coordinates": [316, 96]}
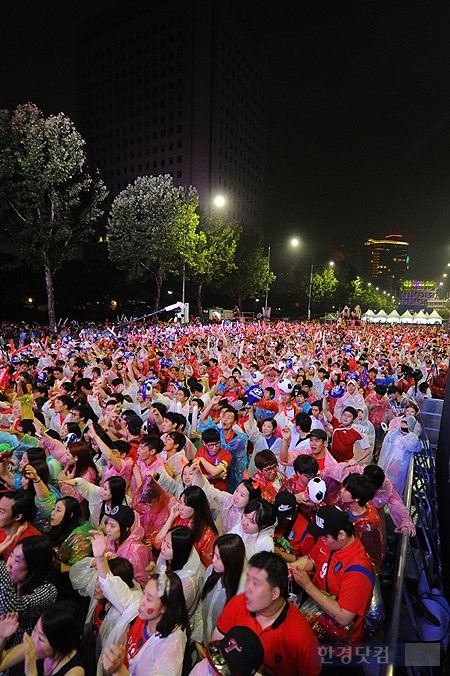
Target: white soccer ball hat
{"type": "Point", "coordinates": [285, 385]}
{"type": "Point", "coordinates": [317, 490]}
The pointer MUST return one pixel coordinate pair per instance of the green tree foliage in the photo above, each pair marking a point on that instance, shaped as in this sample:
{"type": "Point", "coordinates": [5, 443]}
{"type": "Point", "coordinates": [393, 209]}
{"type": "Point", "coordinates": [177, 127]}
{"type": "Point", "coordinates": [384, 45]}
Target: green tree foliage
{"type": "Point", "coordinates": [252, 275]}
{"type": "Point", "coordinates": [214, 254]}
{"type": "Point", "coordinates": [367, 298]}
{"type": "Point", "coordinates": [324, 285]}
{"type": "Point", "coordinates": [153, 226]}
{"type": "Point", "coordinates": [49, 197]}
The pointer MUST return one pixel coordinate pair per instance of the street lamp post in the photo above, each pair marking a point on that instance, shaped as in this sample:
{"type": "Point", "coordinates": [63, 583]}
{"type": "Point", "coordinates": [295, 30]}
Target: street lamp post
{"type": "Point", "coordinates": [330, 264]}
{"type": "Point", "coordinates": [294, 242]}
{"type": "Point", "coordinates": [310, 291]}
{"type": "Point", "coordinates": [268, 273]}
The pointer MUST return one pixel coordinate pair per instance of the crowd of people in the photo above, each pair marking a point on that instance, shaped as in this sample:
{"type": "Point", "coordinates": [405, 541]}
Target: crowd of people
{"type": "Point", "coordinates": [202, 499]}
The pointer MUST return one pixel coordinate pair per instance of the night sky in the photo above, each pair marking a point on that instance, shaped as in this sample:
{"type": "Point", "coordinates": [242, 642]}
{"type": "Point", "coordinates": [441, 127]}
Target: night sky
{"type": "Point", "coordinates": [358, 117]}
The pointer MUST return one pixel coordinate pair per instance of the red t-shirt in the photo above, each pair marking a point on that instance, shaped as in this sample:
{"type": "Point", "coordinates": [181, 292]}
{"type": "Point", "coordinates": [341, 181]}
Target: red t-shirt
{"type": "Point", "coordinates": [346, 574]}
{"type": "Point", "coordinates": [132, 453]}
{"type": "Point", "coordinates": [223, 457]}
{"type": "Point", "coordinates": [29, 530]}
{"type": "Point", "coordinates": [288, 643]}
{"type": "Point", "coordinates": [298, 537]}
{"type": "Point", "coordinates": [342, 441]}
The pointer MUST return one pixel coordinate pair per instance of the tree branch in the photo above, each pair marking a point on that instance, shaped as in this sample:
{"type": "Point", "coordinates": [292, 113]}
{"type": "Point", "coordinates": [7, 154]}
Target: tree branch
{"type": "Point", "coordinates": [15, 210]}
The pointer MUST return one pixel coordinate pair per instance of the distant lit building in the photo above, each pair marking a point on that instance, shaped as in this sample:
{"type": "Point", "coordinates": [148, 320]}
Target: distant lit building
{"type": "Point", "coordinates": [176, 87]}
{"type": "Point", "coordinates": [387, 260]}
{"type": "Point", "coordinates": [415, 293]}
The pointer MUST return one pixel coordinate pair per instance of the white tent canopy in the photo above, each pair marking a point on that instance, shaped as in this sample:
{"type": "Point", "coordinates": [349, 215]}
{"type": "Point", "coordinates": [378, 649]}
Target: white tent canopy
{"type": "Point", "coordinates": [406, 318]}
{"type": "Point", "coordinates": [393, 317]}
{"type": "Point", "coordinates": [434, 318]}
{"type": "Point", "coordinates": [420, 317]}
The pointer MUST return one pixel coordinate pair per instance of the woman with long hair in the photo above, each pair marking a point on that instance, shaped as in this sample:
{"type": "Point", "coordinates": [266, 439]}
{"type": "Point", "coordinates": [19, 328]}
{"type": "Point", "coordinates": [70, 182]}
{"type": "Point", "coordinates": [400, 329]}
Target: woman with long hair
{"type": "Point", "coordinates": [178, 554]}
{"type": "Point", "coordinates": [78, 463]}
{"type": "Point", "coordinates": [229, 507]}
{"type": "Point", "coordinates": [257, 527]}
{"type": "Point", "coordinates": [124, 535]}
{"type": "Point", "coordinates": [36, 481]}
{"type": "Point", "coordinates": [102, 616]}
{"type": "Point", "coordinates": [101, 499]}
{"type": "Point", "coordinates": [223, 580]}
{"type": "Point", "coordinates": [69, 534]}
{"type": "Point", "coordinates": [70, 432]}
{"type": "Point", "coordinates": [150, 638]}
{"type": "Point", "coordinates": [24, 587]}
{"type": "Point", "coordinates": [56, 639]}
{"type": "Point", "coordinates": [193, 511]}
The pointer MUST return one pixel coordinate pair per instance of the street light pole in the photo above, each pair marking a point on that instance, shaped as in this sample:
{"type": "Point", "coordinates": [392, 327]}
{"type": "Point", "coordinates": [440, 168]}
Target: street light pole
{"type": "Point", "coordinates": [183, 287]}
{"type": "Point", "coordinates": [310, 291]}
{"type": "Point", "coordinates": [268, 273]}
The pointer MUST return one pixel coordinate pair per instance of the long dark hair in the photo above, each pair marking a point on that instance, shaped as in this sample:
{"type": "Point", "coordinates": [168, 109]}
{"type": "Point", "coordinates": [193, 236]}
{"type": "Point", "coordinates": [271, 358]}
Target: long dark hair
{"type": "Point", "coordinates": [71, 520]}
{"type": "Point", "coordinates": [38, 555]}
{"type": "Point", "coordinates": [82, 452]}
{"type": "Point", "coordinates": [195, 498]}
{"type": "Point", "coordinates": [62, 624]}
{"type": "Point", "coordinates": [182, 543]}
{"type": "Point", "coordinates": [254, 491]}
{"type": "Point", "coordinates": [175, 611]}
{"type": "Point", "coordinates": [43, 473]}
{"type": "Point", "coordinates": [35, 454]}
{"type": "Point", "coordinates": [117, 486]}
{"type": "Point", "coordinates": [232, 552]}
{"type": "Point", "coordinates": [263, 512]}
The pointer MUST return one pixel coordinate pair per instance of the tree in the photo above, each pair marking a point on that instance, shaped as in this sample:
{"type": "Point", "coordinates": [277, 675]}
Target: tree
{"type": "Point", "coordinates": [367, 297]}
{"type": "Point", "coordinates": [324, 284]}
{"type": "Point", "coordinates": [252, 275]}
{"type": "Point", "coordinates": [153, 226]}
{"type": "Point", "coordinates": [49, 197]}
{"type": "Point", "coordinates": [214, 255]}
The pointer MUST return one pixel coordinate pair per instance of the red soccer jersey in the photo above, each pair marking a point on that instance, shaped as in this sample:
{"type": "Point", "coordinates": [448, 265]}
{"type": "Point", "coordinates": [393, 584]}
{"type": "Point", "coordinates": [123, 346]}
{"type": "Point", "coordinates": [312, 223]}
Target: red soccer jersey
{"type": "Point", "coordinates": [342, 441]}
{"type": "Point", "coordinates": [298, 537]}
{"type": "Point", "coordinates": [346, 574]}
{"type": "Point", "coordinates": [223, 457]}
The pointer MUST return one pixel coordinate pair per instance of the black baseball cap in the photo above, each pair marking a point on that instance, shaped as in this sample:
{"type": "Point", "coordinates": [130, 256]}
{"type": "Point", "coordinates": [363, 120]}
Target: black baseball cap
{"type": "Point", "coordinates": [239, 653]}
{"type": "Point", "coordinates": [285, 505]}
{"type": "Point", "coordinates": [329, 519]}
{"type": "Point", "coordinates": [319, 434]}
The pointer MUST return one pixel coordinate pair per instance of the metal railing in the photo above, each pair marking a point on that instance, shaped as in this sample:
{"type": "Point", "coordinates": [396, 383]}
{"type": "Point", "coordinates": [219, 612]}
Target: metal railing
{"type": "Point", "coordinates": [421, 553]}
{"type": "Point", "coordinates": [393, 624]}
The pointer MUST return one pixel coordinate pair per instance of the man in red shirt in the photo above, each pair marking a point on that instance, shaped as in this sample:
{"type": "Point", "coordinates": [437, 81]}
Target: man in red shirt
{"type": "Point", "coordinates": [354, 497]}
{"type": "Point", "coordinates": [16, 510]}
{"type": "Point", "coordinates": [342, 568]}
{"type": "Point", "coordinates": [346, 443]}
{"type": "Point", "coordinates": [215, 461]}
{"type": "Point", "coordinates": [288, 642]}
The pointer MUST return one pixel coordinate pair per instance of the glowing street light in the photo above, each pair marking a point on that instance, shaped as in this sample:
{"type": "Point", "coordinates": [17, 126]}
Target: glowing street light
{"type": "Point", "coordinates": [331, 263]}
{"type": "Point", "coordinates": [219, 201]}
{"type": "Point", "coordinates": [295, 241]}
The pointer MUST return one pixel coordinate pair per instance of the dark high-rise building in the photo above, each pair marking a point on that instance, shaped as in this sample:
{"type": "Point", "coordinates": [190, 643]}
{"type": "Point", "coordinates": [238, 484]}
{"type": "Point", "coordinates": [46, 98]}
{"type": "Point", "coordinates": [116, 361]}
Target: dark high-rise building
{"type": "Point", "coordinates": [176, 87]}
{"type": "Point", "coordinates": [387, 260]}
